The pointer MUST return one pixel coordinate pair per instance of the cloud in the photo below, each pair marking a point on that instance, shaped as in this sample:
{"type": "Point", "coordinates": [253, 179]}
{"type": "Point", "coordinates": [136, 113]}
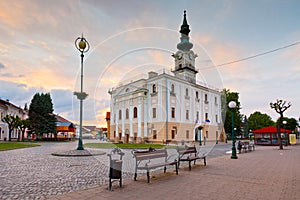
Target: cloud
{"type": "Point", "coordinates": [2, 66]}
{"type": "Point", "coordinates": [19, 94]}
{"type": "Point", "coordinates": [10, 75]}
{"type": "Point", "coordinates": [62, 100]}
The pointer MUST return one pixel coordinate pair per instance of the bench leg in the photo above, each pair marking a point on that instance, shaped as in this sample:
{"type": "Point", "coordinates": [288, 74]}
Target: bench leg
{"type": "Point", "coordinates": [190, 167]}
{"type": "Point", "coordinates": [165, 169]}
{"type": "Point", "coordinates": [109, 186]}
{"type": "Point", "coordinates": [148, 176]}
{"type": "Point", "coordinates": [135, 172]}
{"type": "Point", "coordinates": [176, 168]}
{"type": "Point", "coordinates": [204, 161]}
{"type": "Point", "coordinates": [135, 176]}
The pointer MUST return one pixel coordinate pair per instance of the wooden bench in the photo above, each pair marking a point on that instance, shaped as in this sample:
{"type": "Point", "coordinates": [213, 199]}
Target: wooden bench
{"type": "Point", "coordinates": [245, 146]}
{"type": "Point", "coordinates": [152, 159]}
{"type": "Point", "coordinates": [189, 154]}
{"type": "Point", "coordinates": [251, 146]}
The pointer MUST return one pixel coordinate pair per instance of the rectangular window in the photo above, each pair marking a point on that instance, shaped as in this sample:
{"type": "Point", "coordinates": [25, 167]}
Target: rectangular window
{"type": "Point", "coordinates": [154, 112]}
{"type": "Point", "coordinates": [216, 101]}
{"type": "Point", "coordinates": [173, 112]}
{"type": "Point", "coordinates": [154, 135]}
{"type": "Point", "coordinates": [217, 118]}
{"type": "Point", "coordinates": [197, 116]}
{"type": "Point", "coordinates": [187, 114]}
{"type": "Point", "coordinates": [187, 134]}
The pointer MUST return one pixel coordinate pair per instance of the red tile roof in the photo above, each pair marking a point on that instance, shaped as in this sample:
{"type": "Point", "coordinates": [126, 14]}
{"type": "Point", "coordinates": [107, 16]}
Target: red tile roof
{"type": "Point", "coordinates": [270, 129]}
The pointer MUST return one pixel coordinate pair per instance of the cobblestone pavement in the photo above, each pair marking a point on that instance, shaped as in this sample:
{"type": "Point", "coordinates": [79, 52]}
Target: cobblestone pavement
{"type": "Point", "coordinates": [263, 174]}
{"type": "Point", "coordinates": [33, 173]}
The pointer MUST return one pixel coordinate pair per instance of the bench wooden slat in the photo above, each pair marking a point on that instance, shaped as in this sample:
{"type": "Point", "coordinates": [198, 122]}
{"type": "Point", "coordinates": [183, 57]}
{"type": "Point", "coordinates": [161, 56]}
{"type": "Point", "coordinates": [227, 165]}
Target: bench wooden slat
{"type": "Point", "coordinates": [150, 155]}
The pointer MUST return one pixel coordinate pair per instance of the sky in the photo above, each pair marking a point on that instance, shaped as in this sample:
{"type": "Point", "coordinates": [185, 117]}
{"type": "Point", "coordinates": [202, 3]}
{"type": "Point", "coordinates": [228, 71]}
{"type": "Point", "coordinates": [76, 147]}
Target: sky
{"type": "Point", "coordinates": [129, 38]}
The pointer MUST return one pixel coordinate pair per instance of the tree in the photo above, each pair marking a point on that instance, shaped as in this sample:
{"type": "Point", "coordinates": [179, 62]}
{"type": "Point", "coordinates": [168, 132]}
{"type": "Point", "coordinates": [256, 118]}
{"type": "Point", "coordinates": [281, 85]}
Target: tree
{"type": "Point", "coordinates": [12, 122]}
{"type": "Point", "coordinates": [257, 120]}
{"type": "Point", "coordinates": [291, 123]}
{"type": "Point", "coordinates": [228, 96]}
{"type": "Point", "coordinates": [42, 119]}
{"type": "Point", "coordinates": [280, 107]}
{"type": "Point", "coordinates": [23, 125]}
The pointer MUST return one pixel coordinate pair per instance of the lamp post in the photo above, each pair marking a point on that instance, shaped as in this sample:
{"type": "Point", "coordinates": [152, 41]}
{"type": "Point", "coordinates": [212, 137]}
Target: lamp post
{"type": "Point", "coordinates": [83, 46]}
{"type": "Point", "coordinates": [232, 106]}
{"type": "Point", "coordinates": [285, 137]}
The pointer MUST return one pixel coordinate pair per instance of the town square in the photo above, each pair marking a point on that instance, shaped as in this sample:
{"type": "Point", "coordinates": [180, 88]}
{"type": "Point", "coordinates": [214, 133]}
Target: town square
{"type": "Point", "coordinates": [149, 100]}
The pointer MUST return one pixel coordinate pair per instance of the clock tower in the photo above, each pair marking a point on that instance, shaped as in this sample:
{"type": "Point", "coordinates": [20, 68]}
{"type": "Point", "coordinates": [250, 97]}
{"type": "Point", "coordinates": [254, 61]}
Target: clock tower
{"type": "Point", "coordinates": [185, 57]}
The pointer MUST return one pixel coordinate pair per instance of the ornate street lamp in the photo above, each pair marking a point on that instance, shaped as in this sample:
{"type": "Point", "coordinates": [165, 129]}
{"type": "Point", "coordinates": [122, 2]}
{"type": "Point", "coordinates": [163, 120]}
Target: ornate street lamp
{"type": "Point", "coordinates": [232, 106]}
{"type": "Point", "coordinates": [285, 135]}
{"type": "Point", "coordinates": [83, 46]}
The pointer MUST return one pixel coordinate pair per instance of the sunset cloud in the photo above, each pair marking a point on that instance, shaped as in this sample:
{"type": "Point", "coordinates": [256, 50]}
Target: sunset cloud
{"type": "Point", "coordinates": [38, 52]}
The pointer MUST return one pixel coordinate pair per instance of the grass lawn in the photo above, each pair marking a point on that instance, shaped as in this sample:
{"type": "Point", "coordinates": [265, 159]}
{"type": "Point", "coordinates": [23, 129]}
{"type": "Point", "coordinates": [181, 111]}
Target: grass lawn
{"type": "Point", "coordinates": [125, 146]}
{"type": "Point", "coordinates": [16, 145]}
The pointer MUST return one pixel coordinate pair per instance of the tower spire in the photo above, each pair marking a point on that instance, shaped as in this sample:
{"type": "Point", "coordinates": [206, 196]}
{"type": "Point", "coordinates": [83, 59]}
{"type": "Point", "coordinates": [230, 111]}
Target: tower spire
{"type": "Point", "coordinates": [184, 44]}
{"type": "Point", "coordinates": [185, 27]}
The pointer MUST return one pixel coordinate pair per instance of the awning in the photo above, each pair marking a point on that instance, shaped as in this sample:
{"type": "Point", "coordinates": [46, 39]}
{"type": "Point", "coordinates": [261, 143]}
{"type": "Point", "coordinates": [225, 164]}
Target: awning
{"type": "Point", "coordinates": [271, 129]}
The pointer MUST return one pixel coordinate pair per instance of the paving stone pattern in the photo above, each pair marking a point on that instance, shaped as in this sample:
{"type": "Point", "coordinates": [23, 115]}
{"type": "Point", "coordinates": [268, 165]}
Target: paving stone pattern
{"type": "Point", "coordinates": [264, 174]}
{"type": "Point", "coordinates": [33, 173]}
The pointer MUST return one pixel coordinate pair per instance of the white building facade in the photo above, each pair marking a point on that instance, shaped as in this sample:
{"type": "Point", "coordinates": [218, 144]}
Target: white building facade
{"type": "Point", "coordinates": [7, 108]}
{"type": "Point", "coordinates": [167, 108]}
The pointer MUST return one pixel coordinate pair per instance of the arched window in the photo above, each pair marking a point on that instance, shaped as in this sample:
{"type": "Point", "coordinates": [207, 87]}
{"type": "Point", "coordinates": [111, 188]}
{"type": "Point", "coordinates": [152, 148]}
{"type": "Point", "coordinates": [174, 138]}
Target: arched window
{"type": "Point", "coordinates": [154, 88]}
{"type": "Point", "coordinates": [127, 113]}
{"type": "Point", "coordinates": [120, 114]}
{"type": "Point", "coordinates": [187, 92]}
{"type": "Point", "coordinates": [135, 112]}
{"type": "Point", "coordinates": [172, 88]}
{"type": "Point", "coordinates": [197, 95]}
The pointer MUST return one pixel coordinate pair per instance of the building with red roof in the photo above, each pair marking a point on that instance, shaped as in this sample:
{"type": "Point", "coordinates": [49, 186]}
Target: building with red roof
{"type": "Point", "coordinates": [268, 135]}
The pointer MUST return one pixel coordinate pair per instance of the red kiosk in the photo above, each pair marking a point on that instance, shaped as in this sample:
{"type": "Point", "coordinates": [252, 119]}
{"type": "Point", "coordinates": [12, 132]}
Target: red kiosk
{"type": "Point", "coordinates": [268, 136]}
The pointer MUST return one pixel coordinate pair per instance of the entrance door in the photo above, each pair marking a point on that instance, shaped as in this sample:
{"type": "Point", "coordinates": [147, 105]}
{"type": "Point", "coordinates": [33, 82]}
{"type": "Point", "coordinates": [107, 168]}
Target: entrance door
{"type": "Point", "coordinates": [126, 138]}
{"type": "Point", "coordinates": [196, 134]}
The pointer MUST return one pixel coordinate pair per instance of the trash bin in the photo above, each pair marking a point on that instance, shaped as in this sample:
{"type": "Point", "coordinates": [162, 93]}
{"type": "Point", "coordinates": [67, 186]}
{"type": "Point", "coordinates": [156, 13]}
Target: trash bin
{"type": "Point", "coordinates": [115, 168]}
